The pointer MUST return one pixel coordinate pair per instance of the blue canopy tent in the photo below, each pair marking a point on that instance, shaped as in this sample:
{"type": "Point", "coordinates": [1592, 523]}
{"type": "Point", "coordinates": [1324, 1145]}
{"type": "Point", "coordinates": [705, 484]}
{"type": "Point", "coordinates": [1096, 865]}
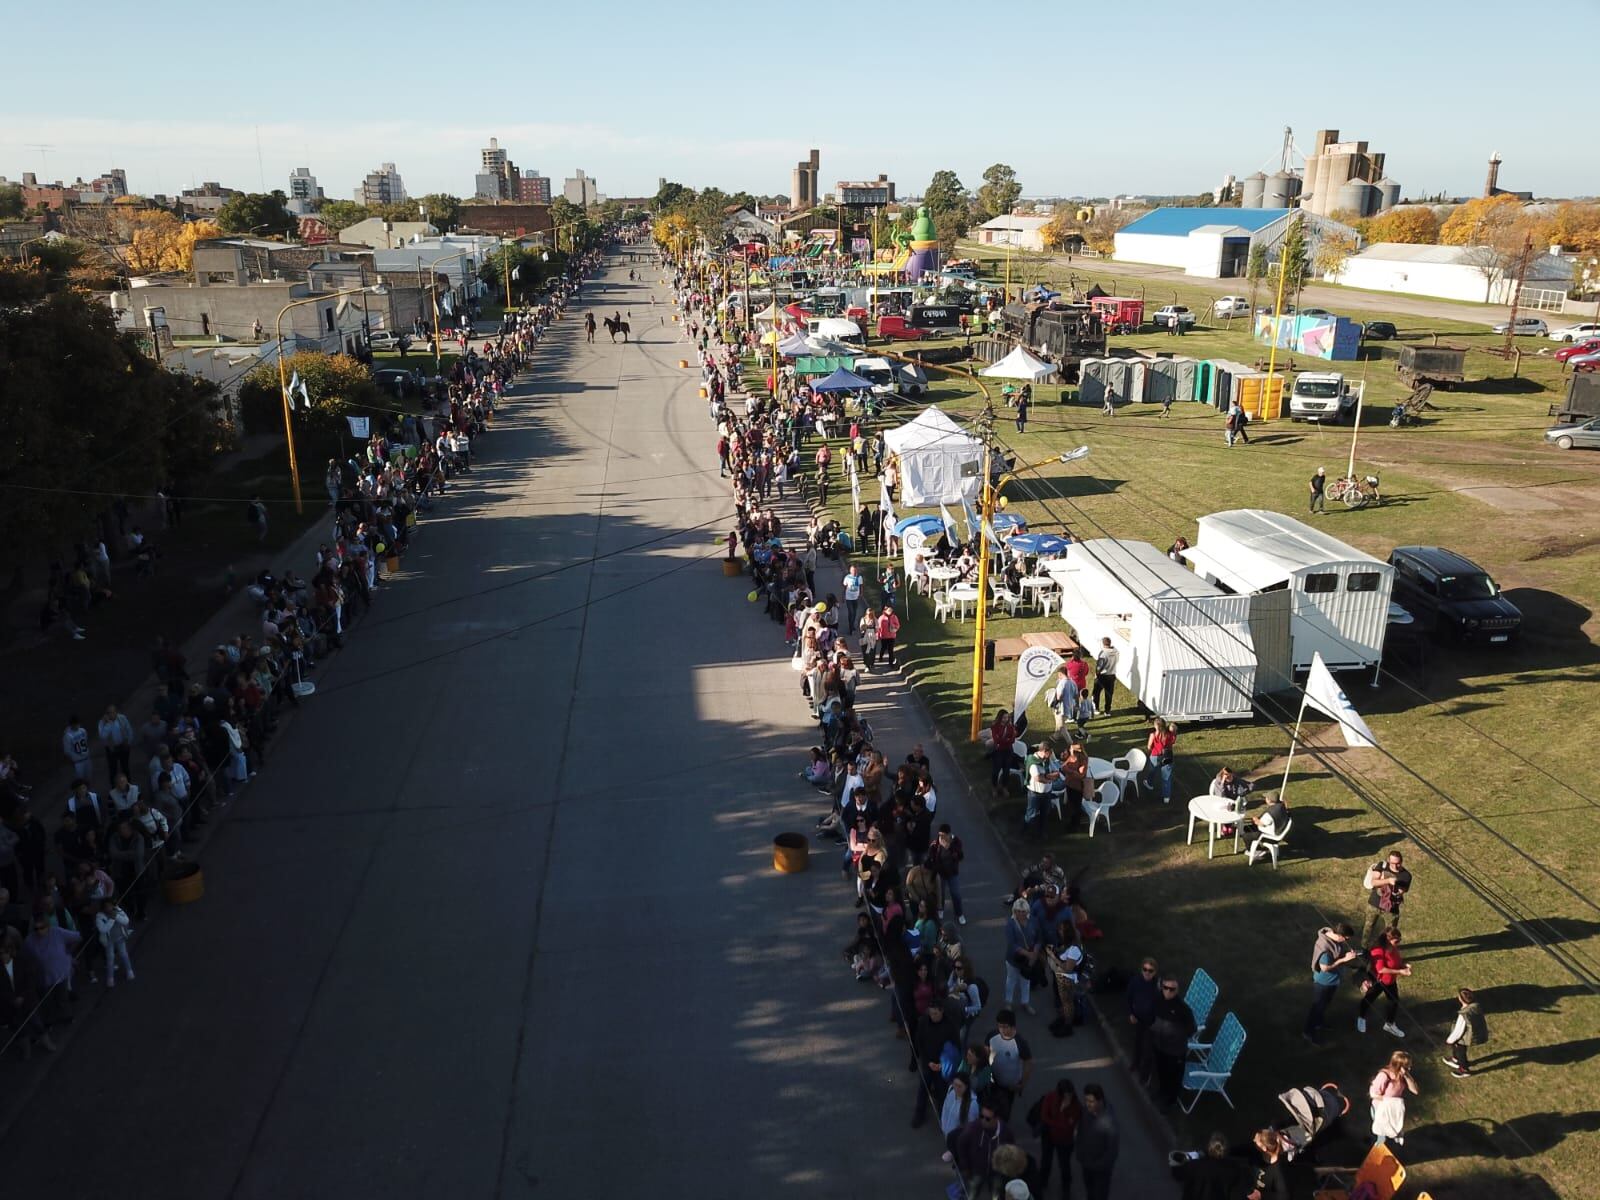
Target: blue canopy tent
{"type": "Point", "coordinates": [927, 523]}
{"type": "Point", "coordinates": [1038, 543]}
{"type": "Point", "coordinates": [842, 380]}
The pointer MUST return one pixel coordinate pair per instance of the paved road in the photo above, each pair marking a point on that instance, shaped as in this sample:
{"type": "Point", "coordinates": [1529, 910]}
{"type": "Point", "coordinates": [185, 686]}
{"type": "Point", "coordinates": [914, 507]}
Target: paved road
{"type": "Point", "coordinates": [499, 918]}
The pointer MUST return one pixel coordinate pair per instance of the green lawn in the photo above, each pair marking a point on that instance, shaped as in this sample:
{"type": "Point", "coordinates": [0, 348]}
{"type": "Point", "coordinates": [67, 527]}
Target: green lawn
{"type": "Point", "coordinates": [1464, 723]}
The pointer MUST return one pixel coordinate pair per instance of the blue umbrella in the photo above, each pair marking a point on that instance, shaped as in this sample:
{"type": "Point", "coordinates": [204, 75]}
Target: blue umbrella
{"type": "Point", "coordinates": [929, 525]}
{"type": "Point", "coordinates": [1006, 521]}
{"type": "Point", "coordinates": [1038, 543]}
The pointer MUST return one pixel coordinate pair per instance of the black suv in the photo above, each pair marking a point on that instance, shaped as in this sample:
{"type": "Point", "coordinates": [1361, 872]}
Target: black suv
{"type": "Point", "coordinates": [1452, 595]}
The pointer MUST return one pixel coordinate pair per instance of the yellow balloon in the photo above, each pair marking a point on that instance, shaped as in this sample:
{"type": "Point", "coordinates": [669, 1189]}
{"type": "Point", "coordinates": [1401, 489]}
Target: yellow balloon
{"type": "Point", "coordinates": [753, 597]}
{"type": "Point", "coordinates": [1003, 501]}
{"type": "Point", "coordinates": [821, 607]}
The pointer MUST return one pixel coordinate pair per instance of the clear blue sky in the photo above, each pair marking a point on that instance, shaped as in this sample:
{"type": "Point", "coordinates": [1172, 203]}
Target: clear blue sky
{"type": "Point", "coordinates": [1079, 98]}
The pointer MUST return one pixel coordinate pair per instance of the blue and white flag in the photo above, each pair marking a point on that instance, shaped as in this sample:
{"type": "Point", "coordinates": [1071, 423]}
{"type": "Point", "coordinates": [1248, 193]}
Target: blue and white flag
{"type": "Point", "coordinates": [1325, 695]}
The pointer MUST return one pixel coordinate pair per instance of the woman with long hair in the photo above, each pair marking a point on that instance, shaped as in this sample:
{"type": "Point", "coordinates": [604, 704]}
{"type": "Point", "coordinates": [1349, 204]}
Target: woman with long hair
{"type": "Point", "coordinates": [1158, 749]}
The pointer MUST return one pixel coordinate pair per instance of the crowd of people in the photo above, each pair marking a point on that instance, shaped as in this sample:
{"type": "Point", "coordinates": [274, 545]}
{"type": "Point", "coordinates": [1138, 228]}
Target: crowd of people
{"type": "Point", "coordinates": [143, 786]}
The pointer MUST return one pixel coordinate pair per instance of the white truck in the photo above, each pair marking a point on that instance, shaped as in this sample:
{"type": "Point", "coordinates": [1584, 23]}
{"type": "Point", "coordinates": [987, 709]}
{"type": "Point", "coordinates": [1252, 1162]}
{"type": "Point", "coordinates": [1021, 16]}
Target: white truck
{"type": "Point", "coordinates": [1321, 396]}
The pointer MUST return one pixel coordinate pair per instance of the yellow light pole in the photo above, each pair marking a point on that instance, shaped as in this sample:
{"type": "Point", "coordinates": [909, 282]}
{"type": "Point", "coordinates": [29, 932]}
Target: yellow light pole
{"type": "Point", "coordinates": [283, 380]}
{"type": "Point", "coordinates": [505, 269]}
{"type": "Point", "coordinates": [1272, 352]}
{"type": "Point", "coordinates": [991, 493]}
{"type": "Point", "coordinates": [433, 295]}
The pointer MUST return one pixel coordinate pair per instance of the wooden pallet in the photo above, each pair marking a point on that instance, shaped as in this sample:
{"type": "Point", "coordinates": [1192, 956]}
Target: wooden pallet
{"type": "Point", "coordinates": [1012, 647]}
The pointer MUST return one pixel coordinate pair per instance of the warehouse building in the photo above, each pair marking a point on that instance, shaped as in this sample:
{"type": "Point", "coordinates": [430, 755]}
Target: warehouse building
{"type": "Point", "coordinates": [1476, 273]}
{"type": "Point", "coordinates": [1213, 243]}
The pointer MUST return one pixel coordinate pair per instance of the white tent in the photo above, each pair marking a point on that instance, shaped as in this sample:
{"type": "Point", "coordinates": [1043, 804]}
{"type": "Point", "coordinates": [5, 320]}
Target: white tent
{"type": "Point", "coordinates": [1019, 364]}
{"type": "Point", "coordinates": [939, 462]}
{"type": "Point", "coordinates": [769, 314]}
{"type": "Point", "coordinates": [837, 327]}
{"type": "Point", "coordinates": [795, 345]}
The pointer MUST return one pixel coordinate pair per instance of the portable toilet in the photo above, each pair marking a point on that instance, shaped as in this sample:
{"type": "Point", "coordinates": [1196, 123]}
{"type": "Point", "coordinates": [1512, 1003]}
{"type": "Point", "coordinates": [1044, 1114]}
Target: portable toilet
{"type": "Point", "coordinates": [1205, 381]}
{"type": "Point", "coordinates": [1091, 382]}
{"type": "Point", "coordinates": [1186, 376]}
{"type": "Point", "coordinates": [1260, 395]}
{"type": "Point", "coordinates": [1162, 381]}
{"type": "Point", "coordinates": [1138, 379]}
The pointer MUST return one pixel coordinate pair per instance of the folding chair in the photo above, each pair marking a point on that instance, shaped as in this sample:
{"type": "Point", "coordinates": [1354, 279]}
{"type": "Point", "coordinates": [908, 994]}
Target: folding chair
{"type": "Point", "coordinates": [1213, 1073]}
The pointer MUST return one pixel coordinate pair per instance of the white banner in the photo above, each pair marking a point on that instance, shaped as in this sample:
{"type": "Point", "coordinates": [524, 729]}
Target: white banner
{"type": "Point", "coordinates": [855, 491]}
{"type": "Point", "coordinates": [972, 517]}
{"type": "Point", "coordinates": [1035, 668]}
{"type": "Point", "coordinates": [360, 427]}
{"type": "Point", "coordinates": [885, 503]}
{"type": "Point", "coordinates": [1325, 695]}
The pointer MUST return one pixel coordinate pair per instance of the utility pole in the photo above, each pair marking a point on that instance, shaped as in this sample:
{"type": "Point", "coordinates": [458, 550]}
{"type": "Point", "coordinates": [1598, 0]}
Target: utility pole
{"type": "Point", "coordinates": [985, 430]}
{"type": "Point", "coordinates": [1516, 294]}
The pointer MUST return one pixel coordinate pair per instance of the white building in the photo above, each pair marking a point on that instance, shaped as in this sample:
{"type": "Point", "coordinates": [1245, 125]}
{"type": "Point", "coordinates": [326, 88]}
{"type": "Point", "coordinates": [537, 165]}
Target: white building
{"type": "Point", "coordinates": [1214, 243]}
{"type": "Point", "coordinates": [1025, 233]}
{"type": "Point", "coordinates": [385, 235]}
{"type": "Point", "coordinates": [455, 257]}
{"type": "Point", "coordinates": [580, 189]}
{"type": "Point", "coordinates": [1476, 273]}
{"type": "Point", "coordinates": [304, 192]}
{"type": "Point", "coordinates": [382, 186]}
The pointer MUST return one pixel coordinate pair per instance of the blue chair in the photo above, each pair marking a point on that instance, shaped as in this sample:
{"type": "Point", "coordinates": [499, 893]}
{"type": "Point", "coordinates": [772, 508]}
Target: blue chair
{"type": "Point", "coordinates": [1212, 1074]}
{"type": "Point", "coordinates": [1201, 997]}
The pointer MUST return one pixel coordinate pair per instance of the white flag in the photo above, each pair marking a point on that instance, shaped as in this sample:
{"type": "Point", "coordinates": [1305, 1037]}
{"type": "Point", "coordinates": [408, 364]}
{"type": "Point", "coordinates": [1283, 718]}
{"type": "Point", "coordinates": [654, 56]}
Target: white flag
{"type": "Point", "coordinates": [294, 386]}
{"type": "Point", "coordinates": [949, 521]}
{"type": "Point", "coordinates": [1324, 695]}
{"type": "Point", "coordinates": [1034, 669]}
{"type": "Point", "coordinates": [885, 503]}
{"type": "Point", "coordinates": [305, 396]}
{"type": "Point", "coordinates": [516, 273]}
{"type": "Point", "coordinates": [971, 515]}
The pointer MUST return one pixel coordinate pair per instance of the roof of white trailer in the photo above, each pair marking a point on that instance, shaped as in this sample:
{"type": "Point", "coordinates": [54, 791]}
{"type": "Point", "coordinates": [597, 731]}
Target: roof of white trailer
{"type": "Point", "coordinates": [1138, 566]}
{"type": "Point", "coordinates": [1251, 548]}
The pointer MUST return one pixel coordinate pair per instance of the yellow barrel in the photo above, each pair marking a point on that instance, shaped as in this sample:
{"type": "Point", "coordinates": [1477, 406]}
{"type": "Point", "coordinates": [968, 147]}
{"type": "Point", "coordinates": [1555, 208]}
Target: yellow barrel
{"type": "Point", "coordinates": [791, 853]}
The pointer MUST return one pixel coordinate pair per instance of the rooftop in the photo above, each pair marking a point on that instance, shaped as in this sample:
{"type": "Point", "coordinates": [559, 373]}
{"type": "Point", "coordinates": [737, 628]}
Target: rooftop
{"type": "Point", "coordinates": [1181, 222]}
{"type": "Point", "coordinates": [1020, 224]}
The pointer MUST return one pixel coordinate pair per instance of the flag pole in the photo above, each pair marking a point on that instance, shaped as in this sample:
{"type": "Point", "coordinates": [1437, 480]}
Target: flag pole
{"type": "Point", "coordinates": [1293, 738]}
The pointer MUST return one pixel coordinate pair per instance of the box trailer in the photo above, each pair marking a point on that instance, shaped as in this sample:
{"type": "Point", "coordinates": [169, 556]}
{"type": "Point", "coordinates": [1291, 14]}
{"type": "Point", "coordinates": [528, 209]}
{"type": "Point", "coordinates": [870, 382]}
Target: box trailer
{"type": "Point", "coordinates": [1119, 314]}
{"type": "Point", "coordinates": [1582, 401]}
{"type": "Point", "coordinates": [1340, 595]}
{"type": "Point", "coordinates": [1438, 365]}
{"type": "Point", "coordinates": [1184, 646]}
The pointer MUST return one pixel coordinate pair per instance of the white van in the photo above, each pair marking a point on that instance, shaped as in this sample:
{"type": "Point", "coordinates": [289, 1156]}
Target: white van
{"type": "Point", "coordinates": [1320, 396]}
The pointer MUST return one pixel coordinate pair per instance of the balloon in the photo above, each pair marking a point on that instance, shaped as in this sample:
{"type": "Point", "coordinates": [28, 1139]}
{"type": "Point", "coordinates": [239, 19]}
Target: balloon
{"type": "Point", "coordinates": [753, 596]}
{"type": "Point", "coordinates": [1003, 501]}
{"type": "Point", "coordinates": [821, 607]}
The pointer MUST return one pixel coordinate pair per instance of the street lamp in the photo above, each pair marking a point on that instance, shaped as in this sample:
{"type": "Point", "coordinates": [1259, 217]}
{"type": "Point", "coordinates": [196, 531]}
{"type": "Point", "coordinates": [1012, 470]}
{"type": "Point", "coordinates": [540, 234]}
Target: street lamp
{"type": "Point", "coordinates": [283, 381]}
{"type": "Point", "coordinates": [991, 493]}
{"type": "Point", "coordinates": [433, 295]}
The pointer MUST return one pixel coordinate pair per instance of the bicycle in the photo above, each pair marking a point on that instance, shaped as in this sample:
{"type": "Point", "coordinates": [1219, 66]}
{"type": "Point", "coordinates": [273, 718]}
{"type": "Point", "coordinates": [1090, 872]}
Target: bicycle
{"type": "Point", "coordinates": [1355, 493]}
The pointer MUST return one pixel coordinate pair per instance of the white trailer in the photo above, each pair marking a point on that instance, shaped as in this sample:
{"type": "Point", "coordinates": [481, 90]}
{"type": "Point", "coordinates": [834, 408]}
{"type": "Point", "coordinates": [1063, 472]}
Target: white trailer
{"type": "Point", "coordinates": [1339, 595]}
{"type": "Point", "coordinates": [1183, 646]}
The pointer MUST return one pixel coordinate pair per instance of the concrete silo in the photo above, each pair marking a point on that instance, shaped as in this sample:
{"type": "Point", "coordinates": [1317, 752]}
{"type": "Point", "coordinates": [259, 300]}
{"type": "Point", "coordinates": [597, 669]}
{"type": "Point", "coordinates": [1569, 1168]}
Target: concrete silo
{"type": "Point", "coordinates": [1277, 193]}
{"type": "Point", "coordinates": [1255, 187]}
{"type": "Point", "coordinates": [1357, 196]}
{"type": "Point", "coordinates": [1388, 194]}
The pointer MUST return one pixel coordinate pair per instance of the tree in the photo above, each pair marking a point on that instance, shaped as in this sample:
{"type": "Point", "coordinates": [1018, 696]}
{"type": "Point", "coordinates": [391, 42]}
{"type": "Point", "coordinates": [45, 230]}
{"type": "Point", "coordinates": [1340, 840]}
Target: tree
{"type": "Point", "coordinates": [341, 214]}
{"type": "Point", "coordinates": [87, 414]}
{"type": "Point", "coordinates": [160, 242]}
{"type": "Point", "coordinates": [257, 213]}
{"type": "Point", "coordinates": [1333, 251]}
{"type": "Point", "coordinates": [1062, 229]}
{"type": "Point", "coordinates": [669, 195]}
{"type": "Point", "coordinates": [337, 384]}
{"type": "Point", "coordinates": [1414, 225]}
{"type": "Point", "coordinates": [1255, 270]}
{"type": "Point", "coordinates": [400, 210]}
{"type": "Point", "coordinates": [1294, 258]}
{"type": "Point", "coordinates": [443, 211]}
{"type": "Point", "coordinates": [1491, 220]}
{"type": "Point", "coordinates": [1575, 227]}
{"type": "Point", "coordinates": [999, 192]}
{"type": "Point", "coordinates": [946, 194]}
{"type": "Point", "coordinates": [1100, 231]}
{"type": "Point", "coordinates": [569, 222]}
{"type": "Point", "coordinates": [11, 205]}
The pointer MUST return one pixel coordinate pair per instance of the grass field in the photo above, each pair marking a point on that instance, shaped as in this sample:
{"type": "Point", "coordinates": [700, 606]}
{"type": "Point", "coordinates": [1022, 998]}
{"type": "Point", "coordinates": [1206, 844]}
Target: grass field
{"type": "Point", "coordinates": [1488, 783]}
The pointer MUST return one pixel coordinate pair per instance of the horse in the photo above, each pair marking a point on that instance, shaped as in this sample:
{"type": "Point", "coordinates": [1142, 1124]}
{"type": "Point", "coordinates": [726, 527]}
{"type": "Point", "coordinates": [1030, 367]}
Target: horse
{"type": "Point", "coordinates": [615, 326]}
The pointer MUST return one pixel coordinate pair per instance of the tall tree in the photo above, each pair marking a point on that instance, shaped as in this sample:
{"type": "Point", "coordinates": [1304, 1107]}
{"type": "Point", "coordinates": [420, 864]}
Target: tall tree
{"type": "Point", "coordinates": [443, 210]}
{"type": "Point", "coordinates": [670, 195]}
{"type": "Point", "coordinates": [1491, 220]}
{"type": "Point", "coordinates": [11, 205]}
{"type": "Point", "coordinates": [341, 214]}
{"type": "Point", "coordinates": [1333, 251]}
{"type": "Point", "coordinates": [945, 194]}
{"type": "Point", "coordinates": [161, 242]}
{"type": "Point", "coordinates": [257, 213]}
{"type": "Point", "coordinates": [998, 195]}
{"type": "Point", "coordinates": [1414, 225]}
{"type": "Point", "coordinates": [1255, 270]}
{"type": "Point", "coordinates": [1575, 227]}
{"type": "Point", "coordinates": [1294, 257]}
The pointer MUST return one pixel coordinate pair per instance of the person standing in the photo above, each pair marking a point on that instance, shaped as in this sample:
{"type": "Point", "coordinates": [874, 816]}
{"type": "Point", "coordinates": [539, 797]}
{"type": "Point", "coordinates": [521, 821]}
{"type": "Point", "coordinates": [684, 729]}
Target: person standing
{"type": "Point", "coordinates": [1387, 966]}
{"type": "Point", "coordinates": [1319, 485]}
{"type": "Point", "coordinates": [1105, 676]}
{"type": "Point", "coordinates": [17, 1001]}
{"type": "Point", "coordinates": [116, 739]}
{"type": "Point", "coordinates": [1002, 737]}
{"type": "Point", "coordinates": [1387, 884]}
{"type": "Point", "coordinates": [111, 924]}
{"type": "Point", "coordinates": [1158, 749]}
{"type": "Point", "coordinates": [1388, 1092]}
{"type": "Point", "coordinates": [1059, 1114]}
{"type": "Point", "coordinates": [1010, 1058]}
{"type": "Point", "coordinates": [75, 746]}
{"type": "Point", "coordinates": [852, 594]}
{"type": "Point", "coordinates": [934, 1031]}
{"type": "Point", "coordinates": [1470, 1030]}
{"type": "Point", "coordinates": [1063, 698]}
{"type": "Point", "coordinates": [1097, 1143]}
{"type": "Point", "coordinates": [944, 859]}
{"type": "Point", "coordinates": [976, 1143]}
{"type": "Point", "coordinates": [1329, 956]}
{"type": "Point", "coordinates": [1022, 952]}
{"type": "Point", "coordinates": [1040, 776]}
{"type": "Point", "coordinates": [1170, 1031]}
{"type": "Point", "coordinates": [888, 632]}
{"type": "Point", "coordinates": [255, 515]}
{"type": "Point", "coordinates": [1022, 412]}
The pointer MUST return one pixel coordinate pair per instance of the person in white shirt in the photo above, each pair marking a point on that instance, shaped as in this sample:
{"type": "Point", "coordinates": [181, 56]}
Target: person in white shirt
{"type": "Point", "coordinates": [1105, 675]}
{"type": "Point", "coordinates": [1063, 698]}
{"type": "Point", "coordinates": [111, 923]}
{"type": "Point", "coordinates": [75, 745]}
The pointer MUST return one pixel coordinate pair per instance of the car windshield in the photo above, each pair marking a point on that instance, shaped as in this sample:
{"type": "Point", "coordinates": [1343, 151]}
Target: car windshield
{"type": "Point", "coordinates": [1318, 389]}
{"type": "Point", "coordinates": [876, 374]}
{"type": "Point", "coordinates": [1468, 587]}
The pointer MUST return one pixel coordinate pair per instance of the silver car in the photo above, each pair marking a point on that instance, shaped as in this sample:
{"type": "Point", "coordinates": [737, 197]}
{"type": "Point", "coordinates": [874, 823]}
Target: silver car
{"type": "Point", "coordinates": [1575, 437]}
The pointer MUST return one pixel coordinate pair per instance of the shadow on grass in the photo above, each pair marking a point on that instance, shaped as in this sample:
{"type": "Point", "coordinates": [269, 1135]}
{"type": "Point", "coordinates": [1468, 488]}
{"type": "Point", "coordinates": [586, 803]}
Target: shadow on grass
{"type": "Point", "coordinates": [1483, 1137]}
{"type": "Point", "coordinates": [1552, 931]}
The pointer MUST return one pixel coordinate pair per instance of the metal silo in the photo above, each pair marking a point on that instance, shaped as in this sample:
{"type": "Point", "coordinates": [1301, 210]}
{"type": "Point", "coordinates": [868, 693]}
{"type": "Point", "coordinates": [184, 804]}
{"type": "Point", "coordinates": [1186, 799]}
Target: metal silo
{"type": "Point", "coordinates": [1255, 187]}
{"type": "Point", "coordinates": [1388, 194]}
{"type": "Point", "coordinates": [1357, 196]}
{"type": "Point", "coordinates": [1277, 193]}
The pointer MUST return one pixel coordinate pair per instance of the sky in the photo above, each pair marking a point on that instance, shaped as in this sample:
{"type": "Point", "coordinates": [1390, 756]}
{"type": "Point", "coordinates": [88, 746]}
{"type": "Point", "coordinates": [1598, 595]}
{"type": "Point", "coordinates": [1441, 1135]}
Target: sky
{"type": "Point", "coordinates": [1164, 97]}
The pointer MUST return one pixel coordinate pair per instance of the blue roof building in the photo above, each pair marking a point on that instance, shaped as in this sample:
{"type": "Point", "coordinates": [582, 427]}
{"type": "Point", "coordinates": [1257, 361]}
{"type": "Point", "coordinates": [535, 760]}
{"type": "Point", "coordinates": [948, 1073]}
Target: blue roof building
{"type": "Point", "coordinates": [1213, 243]}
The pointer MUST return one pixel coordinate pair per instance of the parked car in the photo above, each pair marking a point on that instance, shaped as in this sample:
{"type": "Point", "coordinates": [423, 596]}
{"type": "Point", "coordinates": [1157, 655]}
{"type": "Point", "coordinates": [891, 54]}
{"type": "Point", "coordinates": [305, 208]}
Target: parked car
{"type": "Point", "coordinates": [1585, 362]}
{"type": "Point", "coordinates": [1232, 306]}
{"type": "Point", "coordinates": [1569, 352]}
{"type": "Point", "coordinates": [1526, 327]}
{"type": "Point", "coordinates": [1576, 333]}
{"type": "Point", "coordinates": [1320, 396]}
{"type": "Point", "coordinates": [1575, 437]}
{"type": "Point", "coordinates": [387, 339]}
{"type": "Point", "coordinates": [1379, 331]}
{"type": "Point", "coordinates": [1314, 312]}
{"type": "Point", "coordinates": [1163, 316]}
{"type": "Point", "coordinates": [1452, 595]}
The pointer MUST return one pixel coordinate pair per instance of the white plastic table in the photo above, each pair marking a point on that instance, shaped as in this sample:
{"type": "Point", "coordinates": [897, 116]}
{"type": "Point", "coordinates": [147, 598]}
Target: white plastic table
{"type": "Point", "coordinates": [1035, 586]}
{"type": "Point", "coordinates": [1216, 811]}
{"type": "Point", "coordinates": [1100, 769]}
{"type": "Point", "coordinates": [943, 574]}
{"type": "Point", "coordinates": [964, 594]}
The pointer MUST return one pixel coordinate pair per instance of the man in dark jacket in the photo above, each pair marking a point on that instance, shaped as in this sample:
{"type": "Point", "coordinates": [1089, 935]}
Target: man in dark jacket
{"type": "Point", "coordinates": [1170, 1032]}
{"type": "Point", "coordinates": [1144, 989]}
{"type": "Point", "coordinates": [1096, 1147]}
{"type": "Point", "coordinates": [934, 1029]}
{"type": "Point", "coordinates": [975, 1144]}
{"type": "Point", "coordinates": [944, 859]}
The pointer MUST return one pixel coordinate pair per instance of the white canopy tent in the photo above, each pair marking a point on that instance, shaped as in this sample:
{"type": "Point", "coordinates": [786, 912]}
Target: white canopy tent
{"type": "Point", "coordinates": [795, 345]}
{"type": "Point", "coordinates": [940, 463]}
{"type": "Point", "coordinates": [769, 314]}
{"type": "Point", "coordinates": [1019, 364]}
{"type": "Point", "coordinates": [837, 327]}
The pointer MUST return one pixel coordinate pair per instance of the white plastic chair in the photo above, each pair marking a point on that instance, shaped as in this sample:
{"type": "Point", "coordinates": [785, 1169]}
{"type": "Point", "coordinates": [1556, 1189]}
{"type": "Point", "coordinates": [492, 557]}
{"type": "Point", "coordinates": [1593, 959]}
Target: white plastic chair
{"type": "Point", "coordinates": [1128, 768]}
{"type": "Point", "coordinates": [999, 597]}
{"type": "Point", "coordinates": [1270, 842]}
{"type": "Point", "coordinates": [1047, 601]}
{"type": "Point", "coordinates": [1019, 762]}
{"type": "Point", "coordinates": [1100, 807]}
{"type": "Point", "coordinates": [942, 606]}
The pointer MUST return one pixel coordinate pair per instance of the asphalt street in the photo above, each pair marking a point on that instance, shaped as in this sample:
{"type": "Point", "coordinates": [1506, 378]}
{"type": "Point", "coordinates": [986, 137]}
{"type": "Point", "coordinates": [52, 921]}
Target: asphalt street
{"type": "Point", "coordinates": [498, 919]}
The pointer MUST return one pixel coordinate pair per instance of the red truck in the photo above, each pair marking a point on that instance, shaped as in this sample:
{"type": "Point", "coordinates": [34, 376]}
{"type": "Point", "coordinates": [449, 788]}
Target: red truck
{"type": "Point", "coordinates": [899, 327]}
{"type": "Point", "coordinates": [1119, 314]}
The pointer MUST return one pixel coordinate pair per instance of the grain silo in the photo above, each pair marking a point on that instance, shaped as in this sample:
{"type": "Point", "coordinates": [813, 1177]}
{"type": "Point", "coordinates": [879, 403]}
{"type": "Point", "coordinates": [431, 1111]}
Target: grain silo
{"type": "Point", "coordinates": [1277, 193]}
{"type": "Point", "coordinates": [1388, 194]}
{"type": "Point", "coordinates": [1255, 187]}
{"type": "Point", "coordinates": [1357, 196]}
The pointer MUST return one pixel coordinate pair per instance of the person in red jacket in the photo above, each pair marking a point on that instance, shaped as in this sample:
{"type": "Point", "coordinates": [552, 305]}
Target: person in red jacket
{"type": "Point", "coordinates": [1077, 668]}
{"type": "Point", "coordinates": [1002, 736]}
{"type": "Point", "coordinates": [888, 631]}
{"type": "Point", "coordinates": [1059, 1113]}
{"type": "Point", "coordinates": [1388, 965]}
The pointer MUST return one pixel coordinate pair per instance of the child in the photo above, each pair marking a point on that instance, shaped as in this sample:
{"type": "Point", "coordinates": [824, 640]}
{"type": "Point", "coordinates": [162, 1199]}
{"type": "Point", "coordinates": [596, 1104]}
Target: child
{"type": "Point", "coordinates": [111, 923]}
{"type": "Point", "coordinates": [1470, 1030]}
